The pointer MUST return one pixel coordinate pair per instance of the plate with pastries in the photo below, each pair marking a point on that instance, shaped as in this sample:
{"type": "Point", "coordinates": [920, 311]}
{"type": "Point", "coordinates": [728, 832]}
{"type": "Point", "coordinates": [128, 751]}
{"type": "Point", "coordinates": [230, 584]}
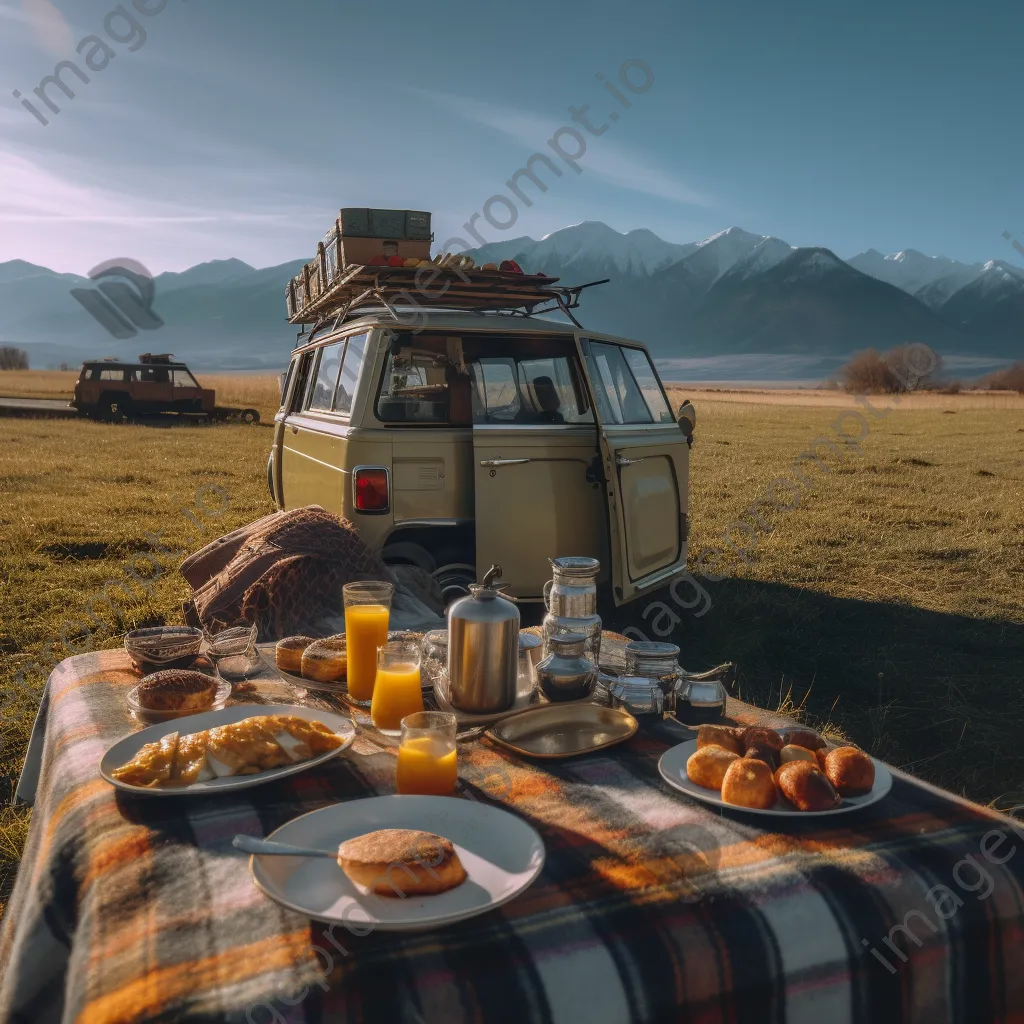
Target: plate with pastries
{"type": "Point", "coordinates": [231, 748]}
{"type": "Point", "coordinates": [781, 772]}
{"type": "Point", "coordinates": [319, 663]}
{"type": "Point", "coordinates": [400, 863]}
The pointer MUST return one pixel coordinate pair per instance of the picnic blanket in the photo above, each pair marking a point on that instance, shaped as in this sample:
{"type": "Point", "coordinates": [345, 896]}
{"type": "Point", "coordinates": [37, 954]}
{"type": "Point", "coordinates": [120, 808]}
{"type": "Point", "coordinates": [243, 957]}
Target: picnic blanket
{"type": "Point", "coordinates": [651, 907]}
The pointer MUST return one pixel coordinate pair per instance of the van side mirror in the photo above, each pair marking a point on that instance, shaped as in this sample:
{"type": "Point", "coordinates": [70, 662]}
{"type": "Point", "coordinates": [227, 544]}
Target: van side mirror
{"type": "Point", "coordinates": [687, 419]}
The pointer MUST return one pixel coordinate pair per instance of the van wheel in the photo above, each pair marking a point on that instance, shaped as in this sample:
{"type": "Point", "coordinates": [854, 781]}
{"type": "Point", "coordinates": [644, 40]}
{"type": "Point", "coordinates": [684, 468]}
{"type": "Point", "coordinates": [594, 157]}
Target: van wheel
{"type": "Point", "coordinates": [454, 580]}
{"type": "Point", "coordinates": [113, 410]}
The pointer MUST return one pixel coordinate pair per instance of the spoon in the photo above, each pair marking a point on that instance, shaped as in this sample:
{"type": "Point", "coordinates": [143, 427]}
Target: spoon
{"type": "Point", "coordinates": [267, 847]}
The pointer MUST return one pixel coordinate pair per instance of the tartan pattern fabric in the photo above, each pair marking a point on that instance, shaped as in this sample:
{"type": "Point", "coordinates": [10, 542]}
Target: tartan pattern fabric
{"type": "Point", "coordinates": [650, 908]}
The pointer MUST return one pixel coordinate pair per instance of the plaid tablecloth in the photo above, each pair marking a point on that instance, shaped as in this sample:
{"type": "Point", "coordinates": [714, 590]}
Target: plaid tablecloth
{"type": "Point", "coordinates": [651, 907]}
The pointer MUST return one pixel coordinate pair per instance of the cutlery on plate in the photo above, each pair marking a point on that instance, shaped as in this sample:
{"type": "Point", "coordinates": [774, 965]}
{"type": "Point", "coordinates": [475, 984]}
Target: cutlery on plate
{"type": "Point", "coordinates": [267, 847]}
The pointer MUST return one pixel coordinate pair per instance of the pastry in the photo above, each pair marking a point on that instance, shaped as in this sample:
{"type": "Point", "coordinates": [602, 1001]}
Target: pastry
{"type": "Point", "coordinates": [402, 862]}
{"type": "Point", "coordinates": [753, 735]}
{"type": "Point", "coordinates": [850, 770]}
{"type": "Point", "coordinates": [174, 689]}
{"type": "Point", "coordinates": [763, 752]}
{"type": "Point", "coordinates": [707, 766]}
{"type": "Point", "coordinates": [748, 782]}
{"type": "Point", "coordinates": [791, 752]}
{"type": "Point", "coordinates": [804, 785]}
{"type": "Point", "coordinates": [239, 748]}
{"type": "Point", "coordinates": [720, 736]}
{"type": "Point", "coordinates": [804, 738]}
{"type": "Point", "coordinates": [288, 653]}
{"type": "Point", "coordinates": [326, 660]}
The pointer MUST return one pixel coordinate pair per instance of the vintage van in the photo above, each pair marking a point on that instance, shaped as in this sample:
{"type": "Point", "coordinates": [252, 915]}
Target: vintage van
{"type": "Point", "coordinates": [480, 439]}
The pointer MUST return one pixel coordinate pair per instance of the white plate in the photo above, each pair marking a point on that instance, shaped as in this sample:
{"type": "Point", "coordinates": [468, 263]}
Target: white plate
{"type": "Point", "coordinates": [501, 853]}
{"type": "Point", "coordinates": [673, 770]}
{"type": "Point", "coordinates": [124, 750]}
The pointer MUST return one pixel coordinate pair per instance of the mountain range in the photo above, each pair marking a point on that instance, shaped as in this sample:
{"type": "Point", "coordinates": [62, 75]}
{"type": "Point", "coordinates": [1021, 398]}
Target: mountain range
{"type": "Point", "coordinates": [732, 294]}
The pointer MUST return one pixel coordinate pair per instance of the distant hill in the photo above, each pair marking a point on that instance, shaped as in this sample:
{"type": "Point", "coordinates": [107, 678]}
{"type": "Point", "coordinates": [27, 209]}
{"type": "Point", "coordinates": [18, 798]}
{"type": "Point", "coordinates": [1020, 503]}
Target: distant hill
{"type": "Point", "coordinates": [731, 294]}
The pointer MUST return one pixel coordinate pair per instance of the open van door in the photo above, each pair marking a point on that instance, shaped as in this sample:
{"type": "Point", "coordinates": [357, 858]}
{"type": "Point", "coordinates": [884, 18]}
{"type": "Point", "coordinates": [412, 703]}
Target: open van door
{"type": "Point", "coordinates": [645, 462]}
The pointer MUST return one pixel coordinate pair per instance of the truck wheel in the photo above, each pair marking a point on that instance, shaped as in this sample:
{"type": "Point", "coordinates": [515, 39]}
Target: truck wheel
{"type": "Point", "coordinates": [454, 580]}
{"type": "Point", "coordinates": [249, 416]}
{"type": "Point", "coordinates": [113, 409]}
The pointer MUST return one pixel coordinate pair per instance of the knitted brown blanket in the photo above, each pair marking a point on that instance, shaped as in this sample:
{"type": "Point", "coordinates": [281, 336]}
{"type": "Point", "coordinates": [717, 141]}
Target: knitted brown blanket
{"type": "Point", "coordinates": [283, 572]}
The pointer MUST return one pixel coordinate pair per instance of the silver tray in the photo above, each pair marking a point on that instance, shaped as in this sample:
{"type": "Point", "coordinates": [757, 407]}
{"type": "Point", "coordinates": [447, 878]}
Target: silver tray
{"type": "Point", "coordinates": [563, 730]}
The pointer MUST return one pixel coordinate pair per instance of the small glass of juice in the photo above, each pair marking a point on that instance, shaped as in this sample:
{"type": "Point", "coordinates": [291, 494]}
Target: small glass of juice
{"type": "Point", "coordinates": [367, 611]}
{"type": "Point", "coordinates": [427, 761]}
{"type": "Point", "coordinates": [398, 690]}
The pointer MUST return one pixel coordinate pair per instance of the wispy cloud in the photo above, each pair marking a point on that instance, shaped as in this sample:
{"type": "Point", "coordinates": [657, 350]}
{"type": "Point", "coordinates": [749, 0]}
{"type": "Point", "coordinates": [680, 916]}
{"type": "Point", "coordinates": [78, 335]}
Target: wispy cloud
{"type": "Point", "coordinates": [625, 168]}
{"type": "Point", "coordinates": [49, 25]}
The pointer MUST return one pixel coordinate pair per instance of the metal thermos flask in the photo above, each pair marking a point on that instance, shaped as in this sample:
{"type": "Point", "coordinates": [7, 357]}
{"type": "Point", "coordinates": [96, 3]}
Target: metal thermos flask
{"type": "Point", "coordinates": [483, 649]}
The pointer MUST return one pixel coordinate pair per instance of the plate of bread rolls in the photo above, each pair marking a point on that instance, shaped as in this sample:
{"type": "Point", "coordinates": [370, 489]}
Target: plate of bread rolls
{"type": "Point", "coordinates": [790, 771]}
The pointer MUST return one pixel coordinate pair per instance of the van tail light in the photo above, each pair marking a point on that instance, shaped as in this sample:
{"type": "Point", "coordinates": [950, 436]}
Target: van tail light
{"type": "Point", "coordinates": [372, 493]}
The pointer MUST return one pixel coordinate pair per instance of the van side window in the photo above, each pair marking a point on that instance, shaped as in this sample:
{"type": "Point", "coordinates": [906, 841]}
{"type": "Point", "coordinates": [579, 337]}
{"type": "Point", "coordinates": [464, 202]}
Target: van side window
{"type": "Point", "coordinates": [322, 393]}
{"type": "Point", "coordinates": [415, 387]}
{"type": "Point", "coordinates": [349, 376]}
{"type": "Point", "coordinates": [301, 382]}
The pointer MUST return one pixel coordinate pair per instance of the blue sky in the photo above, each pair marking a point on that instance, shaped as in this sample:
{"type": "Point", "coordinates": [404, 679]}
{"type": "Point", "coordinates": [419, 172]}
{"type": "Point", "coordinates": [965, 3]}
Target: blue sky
{"type": "Point", "coordinates": [240, 126]}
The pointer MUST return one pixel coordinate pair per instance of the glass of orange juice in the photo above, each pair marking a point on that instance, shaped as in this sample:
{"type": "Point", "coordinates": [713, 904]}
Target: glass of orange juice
{"type": "Point", "coordinates": [398, 691]}
{"type": "Point", "coordinates": [427, 762]}
{"type": "Point", "coordinates": [367, 611]}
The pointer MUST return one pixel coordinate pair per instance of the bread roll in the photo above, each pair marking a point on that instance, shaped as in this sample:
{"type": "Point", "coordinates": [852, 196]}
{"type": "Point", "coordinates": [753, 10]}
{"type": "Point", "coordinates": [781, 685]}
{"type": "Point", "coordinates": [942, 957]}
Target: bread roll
{"type": "Point", "coordinates": [402, 862]}
{"type": "Point", "coordinates": [720, 736]}
{"type": "Point", "coordinates": [804, 738]}
{"type": "Point", "coordinates": [288, 653]}
{"type": "Point", "coordinates": [326, 660]}
{"type": "Point", "coordinates": [755, 734]}
{"type": "Point", "coordinates": [176, 689]}
{"type": "Point", "coordinates": [804, 785]}
{"type": "Point", "coordinates": [850, 770]}
{"type": "Point", "coordinates": [706, 767]}
{"type": "Point", "coordinates": [762, 752]}
{"type": "Point", "coordinates": [791, 752]}
{"type": "Point", "coordinates": [748, 783]}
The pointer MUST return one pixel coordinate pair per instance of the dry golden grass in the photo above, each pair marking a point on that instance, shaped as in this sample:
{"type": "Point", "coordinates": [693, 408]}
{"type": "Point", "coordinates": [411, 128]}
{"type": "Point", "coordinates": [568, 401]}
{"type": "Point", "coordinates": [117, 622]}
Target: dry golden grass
{"type": "Point", "coordinates": [250, 390]}
{"type": "Point", "coordinates": [888, 603]}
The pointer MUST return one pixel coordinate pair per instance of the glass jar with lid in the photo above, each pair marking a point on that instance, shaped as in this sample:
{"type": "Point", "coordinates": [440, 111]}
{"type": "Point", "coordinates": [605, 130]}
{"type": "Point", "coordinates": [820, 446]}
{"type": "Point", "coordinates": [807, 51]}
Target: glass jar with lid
{"type": "Point", "coordinates": [570, 599]}
{"type": "Point", "coordinates": [657, 661]}
{"type": "Point", "coordinates": [567, 673]}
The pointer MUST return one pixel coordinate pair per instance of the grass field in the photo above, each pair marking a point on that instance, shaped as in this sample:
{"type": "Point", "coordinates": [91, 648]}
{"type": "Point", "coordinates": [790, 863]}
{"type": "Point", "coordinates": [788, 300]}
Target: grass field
{"type": "Point", "coordinates": [889, 602]}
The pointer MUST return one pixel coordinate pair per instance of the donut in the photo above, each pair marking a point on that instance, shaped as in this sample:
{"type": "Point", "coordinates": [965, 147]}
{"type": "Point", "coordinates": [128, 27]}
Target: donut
{"type": "Point", "coordinates": [288, 653]}
{"type": "Point", "coordinates": [326, 660]}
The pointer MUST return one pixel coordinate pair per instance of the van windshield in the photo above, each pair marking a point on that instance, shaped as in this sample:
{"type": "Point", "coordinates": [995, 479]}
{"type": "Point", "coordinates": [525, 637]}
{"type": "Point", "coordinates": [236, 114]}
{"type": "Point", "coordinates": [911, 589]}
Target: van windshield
{"type": "Point", "coordinates": [483, 379]}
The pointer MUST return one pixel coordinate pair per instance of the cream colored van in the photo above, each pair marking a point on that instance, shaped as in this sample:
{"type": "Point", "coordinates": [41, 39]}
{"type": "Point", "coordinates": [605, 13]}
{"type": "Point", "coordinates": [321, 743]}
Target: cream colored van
{"type": "Point", "coordinates": [488, 439]}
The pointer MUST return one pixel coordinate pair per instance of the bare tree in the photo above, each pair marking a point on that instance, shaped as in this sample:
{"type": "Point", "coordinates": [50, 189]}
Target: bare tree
{"type": "Point", "coordinates": [12, 358]}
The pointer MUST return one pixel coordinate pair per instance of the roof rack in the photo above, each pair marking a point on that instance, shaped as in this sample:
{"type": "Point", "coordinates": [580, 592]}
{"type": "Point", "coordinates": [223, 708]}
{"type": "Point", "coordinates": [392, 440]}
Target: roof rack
{"type": "Point", "coordinates": [467, 290]}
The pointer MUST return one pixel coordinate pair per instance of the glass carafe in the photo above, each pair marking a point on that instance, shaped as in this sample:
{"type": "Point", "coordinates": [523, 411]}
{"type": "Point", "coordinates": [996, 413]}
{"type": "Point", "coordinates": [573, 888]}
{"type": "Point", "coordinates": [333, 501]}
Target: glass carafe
{"type": "Point", "coordinates": [656, 661]}
{"type": "Point", "coordinates": [570, 599]}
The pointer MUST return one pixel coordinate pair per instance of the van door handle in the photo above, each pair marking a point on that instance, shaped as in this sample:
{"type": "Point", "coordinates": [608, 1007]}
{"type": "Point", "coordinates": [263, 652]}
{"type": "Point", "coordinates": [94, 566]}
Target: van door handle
{"type": "Point", "coordinates": [621, 460]}
{"type": "Point", "coordinates": [295, 430]}
{"type": "Point", "coordinates": [502, 462]}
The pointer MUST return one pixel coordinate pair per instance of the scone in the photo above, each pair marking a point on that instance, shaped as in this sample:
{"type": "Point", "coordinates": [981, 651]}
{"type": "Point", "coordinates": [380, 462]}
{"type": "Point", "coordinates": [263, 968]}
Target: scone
{"type": "Point", "coordinates": [402, 862]}
{"type": "Point", "coordinates": [288, 653]}
{"type": "Point", "coordinates": [748, 782]}
{"type": "Point", "coordinates": [720, 736]}
{"type": "Point", "coordinates": [326, 660]}
{"type": "Point", "coordinates": [707, 766]}
{"type": "Point", "coordinates": [805, 786]}
{"type": "Point", "coordinates": [850, 770]}
{"type": "Point", "coordinates": [175, 689]}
